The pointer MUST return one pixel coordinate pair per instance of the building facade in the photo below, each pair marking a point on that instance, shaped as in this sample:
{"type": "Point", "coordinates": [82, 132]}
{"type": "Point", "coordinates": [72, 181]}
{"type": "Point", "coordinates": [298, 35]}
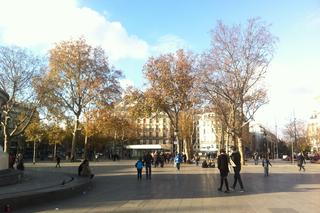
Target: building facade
{"type": "Point", "coordinates": [262, 140]}
{"type": "Point", "coordinates": [207, 138]}
{"type": "Point", "coordinates": [313, 131]}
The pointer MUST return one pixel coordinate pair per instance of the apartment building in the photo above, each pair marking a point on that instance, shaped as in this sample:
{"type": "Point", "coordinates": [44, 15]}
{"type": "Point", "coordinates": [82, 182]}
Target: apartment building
{"type": "Point", "coordinates": [207, 137]}
{"type": "Point", "coordinates": [313, 131]}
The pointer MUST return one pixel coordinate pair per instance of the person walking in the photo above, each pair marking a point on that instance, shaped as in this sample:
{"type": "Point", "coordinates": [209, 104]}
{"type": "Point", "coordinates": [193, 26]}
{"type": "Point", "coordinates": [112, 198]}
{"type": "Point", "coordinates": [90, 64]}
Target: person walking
{"type": "Point", "coordinates": [301, 161]}
{"type": "Point", "coordinates": [223, 162]}
{"type": "Point", "coordinates": [256, 158]}
{"type": "Point", "coordinates": [265, 164]}
{"type": "Point", "coordinates": [147, 159]}
{"type": "Point", "coordinates": [58, 159]}
{"type": "Point", "coordinates": [139, 166]}
{"type": "Point", "coordinates": [19, 162]}
{"type": "Point", "coordinates": [236, 158]}
{"type": "Point", "coordinates": [178, 160]}
{"type": "Point", "coordinates": [197, 159]}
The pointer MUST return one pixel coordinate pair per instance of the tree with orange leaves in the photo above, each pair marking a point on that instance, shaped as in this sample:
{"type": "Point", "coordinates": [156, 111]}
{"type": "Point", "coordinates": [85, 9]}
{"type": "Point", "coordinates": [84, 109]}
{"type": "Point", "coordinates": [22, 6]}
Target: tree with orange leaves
{"type": "Point", "coordinates": [79, 78]}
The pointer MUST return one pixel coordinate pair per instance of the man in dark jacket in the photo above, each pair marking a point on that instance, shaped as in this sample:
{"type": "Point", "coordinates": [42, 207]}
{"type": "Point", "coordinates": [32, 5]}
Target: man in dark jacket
{"type": "Point", "coordinates": [147, 160]}
{"type": "Point", "coordinates": [301, 161]}
{"type": "Point", "coordinates": [236, 158]}
{"type": "Point", "coordinates": [223, 161]}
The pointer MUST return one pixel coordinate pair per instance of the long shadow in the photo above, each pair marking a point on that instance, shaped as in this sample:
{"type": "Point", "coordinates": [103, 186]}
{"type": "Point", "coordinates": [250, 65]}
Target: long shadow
{"type": "Point", "coordinates": [185, 186]}
{"type": "Point", "coordinates": [171, 186]}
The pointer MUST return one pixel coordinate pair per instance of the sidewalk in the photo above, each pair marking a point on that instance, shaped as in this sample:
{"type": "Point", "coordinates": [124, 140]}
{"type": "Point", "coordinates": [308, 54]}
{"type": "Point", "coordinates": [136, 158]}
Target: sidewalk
{"type": "Point", "coordinates": [40, 186]}
{"type": "Point", "coordinates": [193, 189]}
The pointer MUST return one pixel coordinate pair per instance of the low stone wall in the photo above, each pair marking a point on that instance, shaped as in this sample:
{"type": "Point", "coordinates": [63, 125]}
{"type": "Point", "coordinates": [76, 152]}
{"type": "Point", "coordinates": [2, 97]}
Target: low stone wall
{"type": "Point", "coordinates": [10, 176]}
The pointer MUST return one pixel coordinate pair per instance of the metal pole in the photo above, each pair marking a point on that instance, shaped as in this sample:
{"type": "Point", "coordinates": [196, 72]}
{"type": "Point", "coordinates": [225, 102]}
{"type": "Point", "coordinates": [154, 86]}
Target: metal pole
{"type": "Point", "coordinates": [295, 138]}
{"type": "Point", "coordinates": [277, 143]}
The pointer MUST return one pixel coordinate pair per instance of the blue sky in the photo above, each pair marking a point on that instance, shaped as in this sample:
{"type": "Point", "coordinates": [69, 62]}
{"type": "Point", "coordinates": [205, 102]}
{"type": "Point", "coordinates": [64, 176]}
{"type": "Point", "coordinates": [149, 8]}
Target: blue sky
{"type": "Point", "coordinates": [132, 30]}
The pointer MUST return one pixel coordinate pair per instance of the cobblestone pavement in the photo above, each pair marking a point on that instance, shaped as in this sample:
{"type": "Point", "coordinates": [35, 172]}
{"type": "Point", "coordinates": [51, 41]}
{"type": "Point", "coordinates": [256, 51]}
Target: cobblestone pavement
{"type": "Point", "coordinates": [192, 189]}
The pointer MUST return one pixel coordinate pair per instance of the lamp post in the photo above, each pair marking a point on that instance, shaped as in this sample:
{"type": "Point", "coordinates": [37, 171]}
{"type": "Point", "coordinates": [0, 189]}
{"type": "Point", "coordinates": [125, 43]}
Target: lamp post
{"type": "Point", "coordinates": [266, 143]}
{"type": "Point", "coordinates": [295, 140]}
{"type": "Point", "coordinates": [277, 143]}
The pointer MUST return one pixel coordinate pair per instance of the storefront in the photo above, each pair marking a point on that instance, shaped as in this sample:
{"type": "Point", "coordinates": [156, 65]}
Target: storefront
{"type": "Point", "coordinates": [139, 149]}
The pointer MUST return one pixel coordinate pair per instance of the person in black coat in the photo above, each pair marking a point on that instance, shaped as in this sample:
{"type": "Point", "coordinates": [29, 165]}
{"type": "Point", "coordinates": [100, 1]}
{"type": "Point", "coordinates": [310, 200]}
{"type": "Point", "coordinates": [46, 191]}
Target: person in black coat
{"type": "Point", "coordinates": [301, 160]}
{"type": "Point", "coordinates": [223, 162]}
{"type": "Point", "coordinates": [236, 158]}
{"type": "Point", "coordinates": [147, 160]}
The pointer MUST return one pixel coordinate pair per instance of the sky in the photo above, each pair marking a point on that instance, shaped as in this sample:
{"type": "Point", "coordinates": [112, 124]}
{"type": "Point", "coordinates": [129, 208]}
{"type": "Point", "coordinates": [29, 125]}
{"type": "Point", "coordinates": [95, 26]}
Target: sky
{"type": "Point", "coordinates": [130, 31]}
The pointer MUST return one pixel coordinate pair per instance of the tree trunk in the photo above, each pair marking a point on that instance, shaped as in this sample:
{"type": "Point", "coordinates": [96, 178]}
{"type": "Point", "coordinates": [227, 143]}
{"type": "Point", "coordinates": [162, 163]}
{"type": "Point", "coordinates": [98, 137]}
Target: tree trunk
{"type": "Point", "coordinates": [85, 146]}
{"type": "Point", "coordinates": [114, 140]}
{"type": "Point", "coordinates": [187, 149]}
{"type": "Point", "coordinates": [34, 152]}
{"type": "Point", "coordinates": [6, 142]}
{"type": "Point", "coordinates": [176, 131]}
{"type": "Point", "coordinates": [74, 140]}
{"type": "Point", "coordinates": [240, 147]}
{"type": "Point", "coordinates": [55, 150]}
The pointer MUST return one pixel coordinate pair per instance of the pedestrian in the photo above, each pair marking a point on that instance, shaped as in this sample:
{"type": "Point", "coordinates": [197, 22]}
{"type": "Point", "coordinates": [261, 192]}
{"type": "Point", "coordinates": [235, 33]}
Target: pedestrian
{"type": "Point", "coordinates": [223, 162]}
{"type": "Point", "coordinates": [58, 159]}
{"type": "Point", "coordinates": [256, 158]}
{"type": "Point", "coordinates": [12, 160]}
{"type": "Point", "coordinates": [178, 160]}
{"type": "Point", "coordinates": [236, 158]}
{"type": "Point", "coordinates": [139, 166]}
{"type": "Point", "coordinates": [184, 157]}
{"type": "Point", "coordinates": [197, 159]}
{"type": "Point", "coordinates": [301, 160]}
{"type": "Point", "coordinates": [265, 164]}
{"type": "Point", "coordinates": [84, 169]}
{"type": "Point", "coordinates": [19, 162]}
{"type": "Point", "coordinates": [147, 159]}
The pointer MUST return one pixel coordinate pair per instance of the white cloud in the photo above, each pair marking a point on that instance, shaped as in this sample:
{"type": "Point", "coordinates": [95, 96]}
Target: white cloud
{"type": "Point", "coordinates": [168, 43]}
{"type": "Point", "coordinates": [40, 23]}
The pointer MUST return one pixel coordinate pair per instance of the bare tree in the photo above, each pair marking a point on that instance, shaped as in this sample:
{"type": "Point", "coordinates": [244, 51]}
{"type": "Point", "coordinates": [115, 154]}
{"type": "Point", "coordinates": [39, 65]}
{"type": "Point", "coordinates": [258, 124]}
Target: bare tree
{"type": "Point", "coordinates": [296, 133]}
{"type": "Point", "coordinates": [233, 72]}
{"type": "Point", "coordinates": [18, 67]}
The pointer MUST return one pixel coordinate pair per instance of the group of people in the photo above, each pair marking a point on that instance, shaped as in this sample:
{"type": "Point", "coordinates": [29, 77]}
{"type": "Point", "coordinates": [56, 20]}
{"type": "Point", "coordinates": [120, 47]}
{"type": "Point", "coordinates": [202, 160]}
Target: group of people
{"type": "Point", "coordinates": [16, 161]}
{"type": "Point", "coordinates": [223, 166]}
{"type": "Point", "coordinates": [234, 160]}
{"type": "Point", "coordinates": [148, 160]}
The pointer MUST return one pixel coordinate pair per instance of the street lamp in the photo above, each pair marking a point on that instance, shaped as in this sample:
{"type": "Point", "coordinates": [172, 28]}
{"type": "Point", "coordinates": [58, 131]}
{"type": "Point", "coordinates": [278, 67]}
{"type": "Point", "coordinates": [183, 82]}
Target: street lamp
{"type": "Point", "coordinates": [265, 143]}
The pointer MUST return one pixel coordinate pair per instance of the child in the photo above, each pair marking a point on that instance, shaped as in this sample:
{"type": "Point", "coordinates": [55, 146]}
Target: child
{"type": "Point", "coordinates": [178, 160]}
{"type": "Point", "coordinates": [265, 164]}
{"type": "Point", "coordinates": [139, 166]}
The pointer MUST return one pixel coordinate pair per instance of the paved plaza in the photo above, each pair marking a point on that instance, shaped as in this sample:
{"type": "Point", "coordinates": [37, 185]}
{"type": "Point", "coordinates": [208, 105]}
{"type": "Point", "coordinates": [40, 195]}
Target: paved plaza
{"type": "Point", "coordinates": [115, 188]}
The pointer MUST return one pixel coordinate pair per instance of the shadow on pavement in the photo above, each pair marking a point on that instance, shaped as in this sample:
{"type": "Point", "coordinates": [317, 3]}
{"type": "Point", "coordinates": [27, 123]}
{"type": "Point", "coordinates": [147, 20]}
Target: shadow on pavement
{"type": "Point", "coordinates": [184, 186]}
